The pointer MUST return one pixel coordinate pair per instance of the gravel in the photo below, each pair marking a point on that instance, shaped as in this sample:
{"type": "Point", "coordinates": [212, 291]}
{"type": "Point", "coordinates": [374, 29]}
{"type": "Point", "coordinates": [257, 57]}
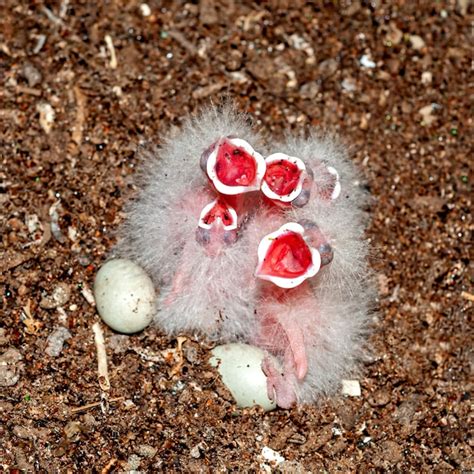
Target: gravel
{"type": "Point", "coordinates": [72, 118]}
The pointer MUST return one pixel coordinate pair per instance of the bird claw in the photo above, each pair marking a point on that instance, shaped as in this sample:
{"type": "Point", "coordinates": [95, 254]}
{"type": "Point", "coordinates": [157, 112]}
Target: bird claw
{"type": "Point", "coordinates": [279, 387]}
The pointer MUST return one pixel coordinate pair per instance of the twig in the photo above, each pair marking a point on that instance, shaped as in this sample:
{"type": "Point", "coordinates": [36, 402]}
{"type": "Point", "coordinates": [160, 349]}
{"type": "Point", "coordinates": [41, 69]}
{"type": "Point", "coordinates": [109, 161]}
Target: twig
{"type": "Point", "coordinates": [102, 370]}
{"type": "Point", "coordinates": [39, 44]}
{"type": "Point", "coordinates": [94, 405]}
{"type": "Point", "coordinates": [87, 294]}
{"type": "Point", "coordinates": [108, 466]}
{"type": "Point", "coordinates": [177, 367]}
{"type": "Point", "coordinates": [28, 90]}
{"type": "Point", "coordinates": [51, 16]}
{"type": "Point", "coordinates": [467, 296]}
{"type": "Point", "coordinates": [179, 37]}
{"type": "Point", "coordinates": [63, 8]}
{"type": "Point", "coordinates": [32, 326]}
{"type": "Point", "coordinates": [80, 115]}
{"type": "Point", "coordinates": [110, 46]}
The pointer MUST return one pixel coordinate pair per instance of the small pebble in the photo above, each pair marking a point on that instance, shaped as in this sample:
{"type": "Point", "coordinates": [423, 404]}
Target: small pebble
{"type": "Point", "coordinates": [145, 9]}
{"type": "Point", "coordinates": [349, 84]}
{"type": "Point", "coordinates": [351, 388]}
{"type": "Point", "coordinates": [59, 297]}
{"type": "Point", "coordinates": [46, 116]}
{"type": "Point", "coordinates": [72, 429]}
{"type": "Point", "coordinates": [124, 295]}
{"type": "Point", "coordinates": [147, 451]}
{"type": "Point", "coordinates": [427, 113]}
{"type": "Point", "coordinates": [32, 222]}
{"type": "Point", "coordinates": [9, 367]}
{"type": "Point", "coordinates": [272, 456]}
{"type": "Point", "coordinates": [417, 42]}
{"type": "Point", "coordinates": [380, 398]}
{"type": "Point", "coordinates": [366, 62]}
{"type": "Point", "coordinates": [426, 77]}
{"type": "Point", "coordinates": [31, 74]}
{"type": "Point", "coordinates": [309, 90]}
{"type": "Point", "coordinates": [133, 462]}
{"type": "Point", "coordinates": [195, 452]}
{"type": "Point", "coordinates": [56, 340]}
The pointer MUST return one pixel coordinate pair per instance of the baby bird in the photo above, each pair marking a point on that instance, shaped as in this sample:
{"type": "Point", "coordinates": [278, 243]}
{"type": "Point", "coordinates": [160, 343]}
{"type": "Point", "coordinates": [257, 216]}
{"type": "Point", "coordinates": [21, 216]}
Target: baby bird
{"type": "Point", "coordinates": [317, 328]}
{"type": "Point", "coordinates": [185, 228]}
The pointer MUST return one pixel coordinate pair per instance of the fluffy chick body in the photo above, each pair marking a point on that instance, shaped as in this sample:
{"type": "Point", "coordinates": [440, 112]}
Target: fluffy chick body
{"type": "Point", "coordinates": [218, 296]}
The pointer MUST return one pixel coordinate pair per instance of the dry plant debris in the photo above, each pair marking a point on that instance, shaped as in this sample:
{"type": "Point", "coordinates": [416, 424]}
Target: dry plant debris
{"type": "Point", "coordinates": [74, 106]}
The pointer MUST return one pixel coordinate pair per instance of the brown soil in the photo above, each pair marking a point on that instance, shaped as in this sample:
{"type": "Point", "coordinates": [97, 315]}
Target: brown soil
{"type": "Point", "coordinates": [408, 123]}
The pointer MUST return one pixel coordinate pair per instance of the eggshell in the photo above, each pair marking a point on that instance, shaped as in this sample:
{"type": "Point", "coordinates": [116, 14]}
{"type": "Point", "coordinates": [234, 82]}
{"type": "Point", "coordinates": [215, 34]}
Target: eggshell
{"type": "Point", "coordinates": [124, 295]}
{"type": "Point", "coordinates": [240, 368]}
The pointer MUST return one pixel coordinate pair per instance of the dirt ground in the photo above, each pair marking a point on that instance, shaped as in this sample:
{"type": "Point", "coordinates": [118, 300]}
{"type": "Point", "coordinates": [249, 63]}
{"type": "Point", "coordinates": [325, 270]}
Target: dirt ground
{"type": "Point", "coordinates": [82, 83]}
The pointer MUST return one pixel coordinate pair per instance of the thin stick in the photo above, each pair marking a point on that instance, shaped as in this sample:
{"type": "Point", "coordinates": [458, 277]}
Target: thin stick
{"type": "Point", "coordinates": [108, 466]}
{"type": "Point", "coordinates": [467, 296]}
{"type": "Point", "coordinates": [93, 405]}
{"type": "Point", "coordinates": [180, 38]}
{"type": "Point", "coordinates": [80, 115]}
{"type": "Point", "coordinates": [110, 46]}
{"type": "Point", "coordinates": [102, 370]}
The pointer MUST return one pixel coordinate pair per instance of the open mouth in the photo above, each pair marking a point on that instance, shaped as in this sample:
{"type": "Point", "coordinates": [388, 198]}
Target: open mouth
{"type": "Point", "coordinates": [285, 259]}
{"type": "Point", "coordinates": [283, 180]}
{"type": "Point", "coordinates": [234, 167]}
{"type": "Point", "coordinates": [217, 211]}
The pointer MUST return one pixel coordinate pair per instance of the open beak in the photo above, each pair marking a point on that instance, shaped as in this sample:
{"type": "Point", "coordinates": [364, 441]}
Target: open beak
{"type": "Point", "coordinates": [234, 167]}
{"type": "Point", "coordinates": [285, 259]}
{"type": "Point", "coordinates": [286, 179]}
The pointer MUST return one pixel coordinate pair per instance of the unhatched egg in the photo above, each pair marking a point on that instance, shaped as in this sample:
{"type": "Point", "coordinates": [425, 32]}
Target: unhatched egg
{"type": "Point", "coordinates": [124, 295]}
{"type": "Point", "coordinates": [240, 368]}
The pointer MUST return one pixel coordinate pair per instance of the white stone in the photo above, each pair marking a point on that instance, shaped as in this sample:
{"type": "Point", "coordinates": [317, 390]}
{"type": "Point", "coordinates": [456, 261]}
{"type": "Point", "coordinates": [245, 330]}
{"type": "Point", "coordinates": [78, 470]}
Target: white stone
{"type": "Point", "coordinates": [426, 77]}
{"type": "Point", "coordinates": [240, 368]}
{"type": "Point", "coordinates": [417, 42]}
{"type": "Point", "coordinates": [47, 116]}
{"type": "Point", "coordinates": [272, 456]}
{"type": "Point", "coordinates": [124, 295]}
{"type": "Point", "coordinates": [351, 388]}
{"type": "Point", "coordinates": [366, 62]}
{"type": "Point", "coordinates": [145, 9]}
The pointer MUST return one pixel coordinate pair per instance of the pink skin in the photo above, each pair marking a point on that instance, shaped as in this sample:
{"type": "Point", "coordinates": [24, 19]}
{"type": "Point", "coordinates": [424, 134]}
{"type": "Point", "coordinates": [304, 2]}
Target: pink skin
{"type": "Point", "coordinates": [213, 240]}
{"type": "Point", "coordinates": [281, 335]}
{"type": "Point", "coordinates": [179, 281]}
{"type": "Point", "coordinates": [316, 239]}
{"type": "Point", "coordinates": [280, 332]}
{"type": "Point", "coordinates": [300, 200]}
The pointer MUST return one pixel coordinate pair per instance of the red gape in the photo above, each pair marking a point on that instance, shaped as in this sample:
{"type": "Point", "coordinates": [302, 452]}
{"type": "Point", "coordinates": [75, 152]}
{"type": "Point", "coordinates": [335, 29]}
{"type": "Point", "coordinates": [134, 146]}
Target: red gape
{"type": "Point", "coordinates": [287, 181]}
{"type": "Point", "coordinates": [219, 211]}
{"type": "Point", "coordinates": [234, 166]}
{"type": "Point", "coordinates": [282, 177]}
{"type": "Point", "coordinates": [288, 256]}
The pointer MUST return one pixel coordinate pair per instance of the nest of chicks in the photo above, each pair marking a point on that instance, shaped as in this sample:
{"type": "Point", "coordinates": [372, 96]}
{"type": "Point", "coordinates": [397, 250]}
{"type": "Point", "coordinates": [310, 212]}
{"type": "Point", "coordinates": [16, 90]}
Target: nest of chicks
{"type": "Point", "coordinates": [257, 241]}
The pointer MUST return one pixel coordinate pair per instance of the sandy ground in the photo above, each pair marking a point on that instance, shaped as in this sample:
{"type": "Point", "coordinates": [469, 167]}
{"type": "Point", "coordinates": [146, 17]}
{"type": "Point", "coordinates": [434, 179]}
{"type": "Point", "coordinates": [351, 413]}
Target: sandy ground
{"type": "Point", "coordinates": [82, 83]}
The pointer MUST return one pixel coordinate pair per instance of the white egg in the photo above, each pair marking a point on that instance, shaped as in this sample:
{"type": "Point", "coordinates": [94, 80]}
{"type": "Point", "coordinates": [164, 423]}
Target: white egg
{"type": "Point", "coordinates": [240, 368]}
{"type": "Point", "coordinates": [124, 295]}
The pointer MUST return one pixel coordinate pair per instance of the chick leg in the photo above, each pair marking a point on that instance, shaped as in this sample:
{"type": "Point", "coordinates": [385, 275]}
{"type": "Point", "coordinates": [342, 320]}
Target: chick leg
{"type": "Point", "coordinates": [280, 386]}
{"type": "Point", "coordinates": [179, 279]}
